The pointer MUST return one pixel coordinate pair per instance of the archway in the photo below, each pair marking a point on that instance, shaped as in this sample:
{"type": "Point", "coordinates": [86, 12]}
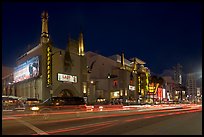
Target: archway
{"type": "Point", "coordinates": [66, 89]}
{"type": "Point", "coordinates": [66, 93]}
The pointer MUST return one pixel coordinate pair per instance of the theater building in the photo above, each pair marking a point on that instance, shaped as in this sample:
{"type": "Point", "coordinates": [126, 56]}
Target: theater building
{"type": "Point", "coordinates": [46, 70]}
{"type": "Point", "coordinates": [115, 78]}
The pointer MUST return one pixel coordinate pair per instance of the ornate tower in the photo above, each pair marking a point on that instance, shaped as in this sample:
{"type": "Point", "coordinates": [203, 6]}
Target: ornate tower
{"type": "Point", "coordinates": [44, 33]}
{"type": "Point", "coordinates": [81, 44]}
{"type": "Point", "coordinates": [46, 57]}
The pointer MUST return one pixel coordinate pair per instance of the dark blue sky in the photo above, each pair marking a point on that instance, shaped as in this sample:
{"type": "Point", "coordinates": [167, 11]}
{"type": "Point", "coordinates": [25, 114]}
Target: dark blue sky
{"type": "Point", "coordinates": [161, 34]}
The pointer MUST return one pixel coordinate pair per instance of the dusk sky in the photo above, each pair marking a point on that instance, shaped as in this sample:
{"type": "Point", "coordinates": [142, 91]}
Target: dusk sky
{"type": "Point", "coordinates": [161, 34]}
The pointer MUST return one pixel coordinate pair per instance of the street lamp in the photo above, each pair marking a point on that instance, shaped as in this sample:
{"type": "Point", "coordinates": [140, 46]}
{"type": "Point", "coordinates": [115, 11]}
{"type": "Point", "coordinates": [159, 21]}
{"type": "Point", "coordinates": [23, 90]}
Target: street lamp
{"type": "Point", "coordinates": [51, 90]}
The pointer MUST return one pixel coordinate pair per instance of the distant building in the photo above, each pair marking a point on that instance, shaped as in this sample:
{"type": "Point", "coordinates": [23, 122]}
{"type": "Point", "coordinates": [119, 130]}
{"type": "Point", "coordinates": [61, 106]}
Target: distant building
{"type": "Point", "coordinates": [178, 74]}
{"type": "Point", "coordinates": [191, 86]}
{"type": "Point", "coordinates": [169, 87]}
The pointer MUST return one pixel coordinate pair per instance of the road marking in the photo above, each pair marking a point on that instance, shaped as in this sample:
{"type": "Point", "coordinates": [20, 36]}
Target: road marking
{"type": "Point", "coordinates": [80, 127]}
{"type": "Point", "coordinates": [34, 128]}
{"type": "Point", "coordinates": [95, 129]}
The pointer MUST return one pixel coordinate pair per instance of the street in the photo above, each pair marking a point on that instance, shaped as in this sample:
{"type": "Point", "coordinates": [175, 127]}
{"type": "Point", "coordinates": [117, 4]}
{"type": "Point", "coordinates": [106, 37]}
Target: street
{"type": "Point", "coordinates": [183, 120]}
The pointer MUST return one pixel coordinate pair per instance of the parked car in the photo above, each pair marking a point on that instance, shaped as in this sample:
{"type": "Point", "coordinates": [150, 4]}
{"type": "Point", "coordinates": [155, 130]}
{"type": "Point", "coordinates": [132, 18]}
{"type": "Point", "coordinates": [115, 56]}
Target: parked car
{"type": "Point", "coordinates": [12, 103]}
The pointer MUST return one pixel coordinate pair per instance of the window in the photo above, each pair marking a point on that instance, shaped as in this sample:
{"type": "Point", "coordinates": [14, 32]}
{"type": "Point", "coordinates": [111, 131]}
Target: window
{"type": "Point", "coordinates": [115, 83]}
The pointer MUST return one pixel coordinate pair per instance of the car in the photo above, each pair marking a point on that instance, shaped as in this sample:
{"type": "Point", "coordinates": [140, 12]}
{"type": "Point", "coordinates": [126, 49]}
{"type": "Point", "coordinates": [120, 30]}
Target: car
{"type": "Point", "coordinates": [54, 104]}
{"type": "Point", "coordinates": [12, 103]}
{"type": "Point", "coordinates": [32, 101]}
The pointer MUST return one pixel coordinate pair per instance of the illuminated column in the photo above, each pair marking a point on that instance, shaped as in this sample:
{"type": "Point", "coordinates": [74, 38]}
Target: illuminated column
{"type": "Point", "coordinates": [147, 80]}
{"type": "Point", "coordinates": [126, 92]}
{"type": "Point", "coordinates": [84, 88]}
{"type": "Point", "coordinates": [24, 90]}
{"type": "Point", "coordinates": [29, 89]}
{"type": "Point", "coordinates": [121, 92]}
{"type": "Point", "coordinates": [139, 84]}
{"type": "Point", "coordinates": [135, 66]}
{"type": "Point", "coordinates": [4, 91]}
{"type": "Point", "coordinates": [33, 89]}
{"type": "Point", "coordinates": [122, 61]}
{"type": "Point", "coordinates": [81, 45]}
{"type": "Point", "coordinates": [94, 92]}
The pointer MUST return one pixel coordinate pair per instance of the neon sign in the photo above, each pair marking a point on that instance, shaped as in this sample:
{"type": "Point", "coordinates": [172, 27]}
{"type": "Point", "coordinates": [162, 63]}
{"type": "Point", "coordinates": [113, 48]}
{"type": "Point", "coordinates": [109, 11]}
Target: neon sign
{"type": "Point", "coordinates": [152, 88]}
{"type": "Point", "coordinates": [49, 69]}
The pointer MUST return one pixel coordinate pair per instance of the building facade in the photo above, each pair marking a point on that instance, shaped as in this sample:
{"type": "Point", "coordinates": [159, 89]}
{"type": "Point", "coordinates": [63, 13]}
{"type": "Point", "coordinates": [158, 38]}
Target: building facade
{"type": "Point", "coordinates": [178, 74]}
{"type": "Point", "coordinates": [115, 79]}
{"type": "Point", "coordinates": [47, 71]}
{"type": "Point", "coordinates": [191, 86]}
{"type": "Point", "coordinates": [169, 87]}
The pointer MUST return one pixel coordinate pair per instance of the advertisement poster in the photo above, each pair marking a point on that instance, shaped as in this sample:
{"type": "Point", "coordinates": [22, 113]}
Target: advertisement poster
{"type": "Point", "coordinates": [27, 70]}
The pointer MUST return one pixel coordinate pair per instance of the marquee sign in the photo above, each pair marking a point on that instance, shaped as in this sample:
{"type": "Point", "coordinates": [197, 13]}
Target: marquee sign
{"type": "Point", "coordinates": [131, 87]}
{"type": "Point", "coordinates": [66, 78]}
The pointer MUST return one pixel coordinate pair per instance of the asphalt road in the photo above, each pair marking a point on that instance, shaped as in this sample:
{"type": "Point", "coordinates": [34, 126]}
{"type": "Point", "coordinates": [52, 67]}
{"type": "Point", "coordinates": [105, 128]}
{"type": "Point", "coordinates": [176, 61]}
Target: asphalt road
{"type": "Point", "coordinates": [185, 121]}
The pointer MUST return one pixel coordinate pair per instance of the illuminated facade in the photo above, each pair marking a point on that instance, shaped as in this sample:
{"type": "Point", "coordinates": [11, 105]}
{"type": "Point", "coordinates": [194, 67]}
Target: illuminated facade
{"type": "Point", "coordinates": [55, 71]}
{"type": "Point", "coordinates": [115, 78]}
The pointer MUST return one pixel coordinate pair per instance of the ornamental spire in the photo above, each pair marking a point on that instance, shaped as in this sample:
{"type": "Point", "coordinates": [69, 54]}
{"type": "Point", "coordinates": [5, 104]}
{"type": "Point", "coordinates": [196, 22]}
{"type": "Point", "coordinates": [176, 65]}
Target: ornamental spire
{"type": "Point", "coordinates": [81, 44]}
{"type": "Point", "coordinates": [44, 32]}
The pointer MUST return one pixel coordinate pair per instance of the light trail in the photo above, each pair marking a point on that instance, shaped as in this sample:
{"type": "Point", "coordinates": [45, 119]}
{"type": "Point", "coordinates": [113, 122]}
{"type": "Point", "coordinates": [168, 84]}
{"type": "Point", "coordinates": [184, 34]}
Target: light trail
{"type": "Point", "coordinates": [105, 116]}
{"type": "Point", "coordinates": [144, 111]}
{"type": "Point", "coordinates": [107, 109]}
{"type": "Point", "coordinates": [116, 115]}
{"type": "Point", "coordinates": [115, 122]}
{"type": "Point", "coordinates": [161, 115]}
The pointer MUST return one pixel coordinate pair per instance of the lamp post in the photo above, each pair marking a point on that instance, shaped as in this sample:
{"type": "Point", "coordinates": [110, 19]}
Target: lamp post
{"type": "Point", "coordinates": [51, 90]}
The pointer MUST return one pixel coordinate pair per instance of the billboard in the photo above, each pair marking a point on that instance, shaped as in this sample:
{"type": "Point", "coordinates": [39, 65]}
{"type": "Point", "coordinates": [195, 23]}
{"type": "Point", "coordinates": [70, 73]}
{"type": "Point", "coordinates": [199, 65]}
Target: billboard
{"type": "Point", "coordinates": [27, 70]}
